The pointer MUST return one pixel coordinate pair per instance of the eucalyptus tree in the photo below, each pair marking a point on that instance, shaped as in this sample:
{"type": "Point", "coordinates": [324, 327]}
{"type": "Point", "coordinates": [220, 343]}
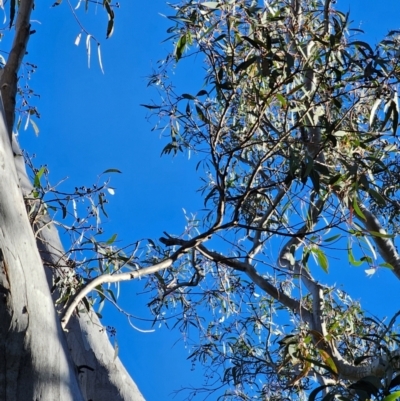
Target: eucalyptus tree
{"type": "Point", "coordinates": [295, 133]}
{"type": "Point", "coordinates": [37, 359]}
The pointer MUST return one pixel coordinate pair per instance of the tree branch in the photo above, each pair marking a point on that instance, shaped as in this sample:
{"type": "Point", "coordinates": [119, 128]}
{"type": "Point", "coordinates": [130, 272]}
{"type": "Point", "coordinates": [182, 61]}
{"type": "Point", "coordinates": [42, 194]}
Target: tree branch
{"type": "Point", "coordinates": [114, 278]}
{"type": "Point", "coordinates": [253, 274]}
{"type": "Point", "coordinates": [9, 76]}
{"type": "Point", "coordinates": [385, 246]}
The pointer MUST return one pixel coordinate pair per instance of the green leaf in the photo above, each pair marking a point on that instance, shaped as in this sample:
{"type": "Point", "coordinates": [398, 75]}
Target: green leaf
{"type": "Point", "coordinates": [187, 96]}
{"type": "Point", "coordinates": [321, 257]}
{"type": "Point", "coordinates": [12, 11]}
{"type": "Point", "coordinates": [359, 43]}
{"type": "Point", "coordinates": [101, 202]}
{"type": "Point", "coordinates": [86, 303]}
{"type": "Point", "coordinates": [378, 198]}
{"type": "Point", "coordinates": [200, 114]}
{"type": "Point", "coordinates": [328, 360]}
{"type": "Point", "coordinates": [395, 122]}
{"type": "Point", "coordinates": [112, 170]}
{"type": "Point", "coordinates": [357, 209]}
{"type": "Point", "coordinates": [245, 64]}
{"type": "Point", "coordinates": [202, 93]}
{"type": "Point", "coordinates": [281, 99]}
{"type": "Point", "coordinates": [112, 239]}
{"type": "Point", "coordinates": [352, 260]}
{"type": "Point", "coordinates": [331, 239]}
{"type": "Point", "coordinates": [38, 176]}
{"type": "Point", "coordinates": [180, 47]}
{"type": "Point", "coordinates": [314, 393]}
{"type": "Point", "coordinates": [323, 261]}
{"type": "Point", "coordinates": [149, 106]}
{"type": "Point", "coordinates": [112, 295]}
{"type": "Point", "coordinates": [387, 265]}
{"type": "Point", "coordinates": [255, 43]}
{"type": "Point", "coordinates": [380, 235]}
{"type": "Point", "coordinates": [110, 25]}
{"type": "Point", "coordinates": [392, 397]}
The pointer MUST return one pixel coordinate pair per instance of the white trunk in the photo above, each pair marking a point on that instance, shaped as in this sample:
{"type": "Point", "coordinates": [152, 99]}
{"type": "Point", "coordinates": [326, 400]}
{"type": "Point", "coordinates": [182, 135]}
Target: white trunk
{"type": "Point", "coordinates": [37, 361]}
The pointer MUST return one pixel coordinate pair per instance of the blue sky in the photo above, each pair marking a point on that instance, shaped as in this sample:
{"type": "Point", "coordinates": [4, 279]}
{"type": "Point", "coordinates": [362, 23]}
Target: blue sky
{"type": "Point", "coordinates": [91, 122]}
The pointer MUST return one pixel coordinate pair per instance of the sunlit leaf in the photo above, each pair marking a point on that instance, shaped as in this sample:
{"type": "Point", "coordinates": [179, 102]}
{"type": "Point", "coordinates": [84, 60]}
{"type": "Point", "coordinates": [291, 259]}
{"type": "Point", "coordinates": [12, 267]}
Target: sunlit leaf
{"type": "Point", "coordinates": [99, 57]}
{"type": "Point", "coordinates": [374, 110]}
{"type": "Point", "coordinates": [88, 48]}
{"type": "Point", "coordinates": [38, 176]}
{"type": "Point", "coordinates": [34, 126]}
{"type": "Point", "coordinates": [180, 47]}
{"type": "Point", "coordinates": [357, 209]}
{"type": "Point", "coordinates": [352, 260]}
{"type": "Point", "coordinates": [78, 39]}
{"type": "Point", "coordinates": [210, 4]}
{"type": "Point", "coordinates": [380, 235]}
{"type": "Point", "coordinates": [392, 397]}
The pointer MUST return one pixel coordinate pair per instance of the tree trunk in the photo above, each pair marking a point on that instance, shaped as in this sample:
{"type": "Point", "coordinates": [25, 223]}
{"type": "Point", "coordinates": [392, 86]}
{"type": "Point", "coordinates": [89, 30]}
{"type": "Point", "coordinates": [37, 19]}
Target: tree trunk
{"type": "Point", "coordinates": [37, 361]}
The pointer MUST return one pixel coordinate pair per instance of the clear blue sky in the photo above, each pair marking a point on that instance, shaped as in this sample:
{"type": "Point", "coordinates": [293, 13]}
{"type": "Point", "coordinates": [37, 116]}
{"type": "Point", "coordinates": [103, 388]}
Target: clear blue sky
{"type": "Point", "coordinates": [90, 122]}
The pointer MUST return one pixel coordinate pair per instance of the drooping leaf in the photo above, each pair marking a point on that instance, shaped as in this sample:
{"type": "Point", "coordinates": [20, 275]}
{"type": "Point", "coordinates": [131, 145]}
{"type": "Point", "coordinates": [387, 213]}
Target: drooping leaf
{"type": "Point", "coordinates": [378, 198]}
{"type": "Point", "coordinates": [281, 99]}
{"type": "Point", "coordinates": [34, 126]}
{"type": "Point", "coordinates": [317, 390]}
{"type": "Point", "coordinates": [187, 96]}
{"type": "Point", "coordinates": [99, 58]}
{"type": "Point", "coordinates": [12, 10]}
{"type": "Point", "coordinates": [112, 239]}
{"type": "Point", "coordinates": [150, 106]}
{"type": "Point", "coordinates": [38, 176]}
{"type": "Point", "coordinates": [380, 235]}
{"type": "Point", "coordinates": [180, 47]}
{"type": "Point", "coordinates": [328, 360]}
{"type": "Point", "coordinates": [243, 66]}
{"type": "Point", "coordinates": [110, 25]}
{"type": "Point", "coordinates": [357, 209]}
{"type": "Point", "coordinates": [374, 110]}
{"type": "Point", "coordinates": [352, 260]}
{"type": "Point", "coordinates": [202, 93]}
{"type": "Point", "coordinates": [112, 170]}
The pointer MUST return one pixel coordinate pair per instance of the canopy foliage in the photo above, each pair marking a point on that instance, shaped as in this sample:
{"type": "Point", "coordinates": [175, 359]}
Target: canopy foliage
{"type": "Point", "coordinates": [295, 131]}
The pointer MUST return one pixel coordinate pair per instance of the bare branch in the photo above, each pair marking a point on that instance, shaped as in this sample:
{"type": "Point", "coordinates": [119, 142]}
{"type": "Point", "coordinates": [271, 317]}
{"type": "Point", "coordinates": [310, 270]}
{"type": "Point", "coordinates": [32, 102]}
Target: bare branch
{"type": "Point", "coordinates": [113, 278]}
{"type": "Point", "coordinates": [9, 76]}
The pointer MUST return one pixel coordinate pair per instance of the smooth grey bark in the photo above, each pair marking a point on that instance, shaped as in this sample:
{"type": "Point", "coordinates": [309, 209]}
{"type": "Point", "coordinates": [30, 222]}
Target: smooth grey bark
{"type": "Point", "coordinates": [34, 357]}
{"type": "Point", "coordinates": [88, 343]}
{"type": "Point", "coordinates": [38, 360]}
